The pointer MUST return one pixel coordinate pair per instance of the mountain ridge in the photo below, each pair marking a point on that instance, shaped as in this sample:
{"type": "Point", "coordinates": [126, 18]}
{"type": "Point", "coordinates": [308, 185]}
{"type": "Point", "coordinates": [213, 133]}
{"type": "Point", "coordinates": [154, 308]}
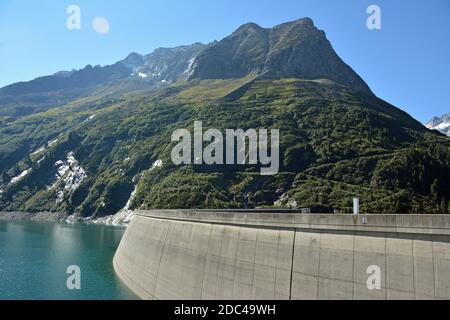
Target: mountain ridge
{"type": "Point", "coordinates": [442, 124]}
{"type": "Point", "coordinates": [292, 49]}
{"type": "Point", "coordinates": [286, 50]}
{"type": "Point", "coordinates": [109, 148]}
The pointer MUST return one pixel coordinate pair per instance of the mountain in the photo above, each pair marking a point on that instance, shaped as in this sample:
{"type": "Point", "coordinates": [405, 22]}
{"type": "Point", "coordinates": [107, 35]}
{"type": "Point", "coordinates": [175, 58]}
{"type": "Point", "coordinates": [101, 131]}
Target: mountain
{"type": "Point", "coordinates": [441, 124]}
{"type": "Point", "coordinates": [110, 148]}
{"type": "Point", "coordinates": [163, 66]}
{"type": "Point", "coordinates": [294, 49]}
{"type": "Point", "coordinates": [171, 64]}
{"type": "Point", "coordinates": [84, 78]}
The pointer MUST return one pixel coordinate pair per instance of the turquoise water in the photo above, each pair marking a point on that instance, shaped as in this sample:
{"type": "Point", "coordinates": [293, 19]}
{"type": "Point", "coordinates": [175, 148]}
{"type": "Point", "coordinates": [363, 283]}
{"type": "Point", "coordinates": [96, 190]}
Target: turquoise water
{"type": "Point", "coordinates": [34, 258]}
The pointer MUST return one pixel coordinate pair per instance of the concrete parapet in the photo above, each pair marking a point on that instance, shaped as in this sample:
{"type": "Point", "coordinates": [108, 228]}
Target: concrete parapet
{"type": "Point", "coordinates": [244, 255]}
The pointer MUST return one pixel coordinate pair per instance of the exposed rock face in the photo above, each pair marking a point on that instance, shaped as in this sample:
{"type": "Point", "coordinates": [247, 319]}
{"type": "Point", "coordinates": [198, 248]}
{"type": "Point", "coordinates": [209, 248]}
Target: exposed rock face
{"type": "Point", "coordinates": [441, 124]}
{"type": "Point", "coordinates": [293, 49]}
{"type": "Point", "coordinates": [171, 64]}
{"type": "Point", "coordinates": [337, 141]}
{"type": "Point", "coordinates": [167, 64]}
{"type": "Point", "coordinates": [134, 61]}
{"type": "Point", "coordinates": [84, 78]}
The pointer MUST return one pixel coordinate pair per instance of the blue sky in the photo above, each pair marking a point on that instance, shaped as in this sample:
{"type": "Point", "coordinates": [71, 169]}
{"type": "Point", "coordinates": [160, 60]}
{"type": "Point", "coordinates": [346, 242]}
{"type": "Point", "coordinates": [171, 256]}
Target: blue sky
{"type": "Point", "coordinates": [406, 63]}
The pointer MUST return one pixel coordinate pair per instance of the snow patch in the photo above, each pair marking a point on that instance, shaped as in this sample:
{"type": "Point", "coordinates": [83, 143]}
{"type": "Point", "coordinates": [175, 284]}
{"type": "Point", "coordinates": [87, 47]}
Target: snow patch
{"type": "Point", "coordinates": [142, 75]}
{"type": "Point", "coordinates": [285, 202]}
{"type": "Point", "coordinates": [20, 176]}
{"type": "Point", "coordinates": [38, 151]}
{"type": "Point", "coordinates": [441, 124]}
{"type": "Point", "coordinates": [68, 177]}
{"type": "Point", "coordinates": [157, 164]}
{"type": "Point", "coordinates": [190, 65]}
{"type": "Point", "coordinates": [51, 143]}
{"type": "Point", "coordinates": [123, 217]}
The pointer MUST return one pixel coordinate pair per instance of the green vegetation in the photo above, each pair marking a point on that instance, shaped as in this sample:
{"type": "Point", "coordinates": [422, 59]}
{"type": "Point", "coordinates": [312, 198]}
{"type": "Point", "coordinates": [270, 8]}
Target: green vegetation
{"type": "Point", "coordinates": [336, 144]}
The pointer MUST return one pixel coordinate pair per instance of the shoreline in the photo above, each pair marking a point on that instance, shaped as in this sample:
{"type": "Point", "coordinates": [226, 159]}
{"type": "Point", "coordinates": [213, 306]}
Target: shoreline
{"type": "Point", "coordinates": [37, 216]}
{"type": "Point", "coordinates": [63, 218]}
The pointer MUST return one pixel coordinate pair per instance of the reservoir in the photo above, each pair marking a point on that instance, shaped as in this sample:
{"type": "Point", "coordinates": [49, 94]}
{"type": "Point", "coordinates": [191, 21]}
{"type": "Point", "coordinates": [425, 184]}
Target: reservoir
{"type": "Point", "coordinates": [34, 257]}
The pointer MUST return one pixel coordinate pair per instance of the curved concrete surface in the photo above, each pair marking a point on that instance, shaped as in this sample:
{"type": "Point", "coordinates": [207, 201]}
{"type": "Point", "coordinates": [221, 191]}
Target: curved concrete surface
{"type": "Point", "coordinates": [234, 255]}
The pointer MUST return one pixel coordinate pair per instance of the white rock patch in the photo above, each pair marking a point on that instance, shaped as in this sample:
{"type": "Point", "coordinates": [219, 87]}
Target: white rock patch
{"type": "Point", "coordinates": [20, 176]}
{"type": "Point", "coordinates": [123, 217]}
{"type": "Point", "coordinates": [38, 151]}
{"type": "Point", "coordinates": [284, 201]}
{"type": "Point", "coordinates": [42, 149]}
{"type": "Point", "coordinates": [51, 143]}
{"type": "Point", "coordinates": [157, 164]}
{"type": "Point", "coordinates": [68, 177]}
{"type": "Point", "coordinates": [190, 65]}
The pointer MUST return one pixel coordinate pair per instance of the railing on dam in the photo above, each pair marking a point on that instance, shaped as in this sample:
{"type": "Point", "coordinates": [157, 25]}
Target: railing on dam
{"type": "Point", "coordinates": [283, 254]}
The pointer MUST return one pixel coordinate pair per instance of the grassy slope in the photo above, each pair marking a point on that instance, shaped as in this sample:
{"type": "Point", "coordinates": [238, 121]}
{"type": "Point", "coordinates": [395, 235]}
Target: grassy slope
{"type": "Point", "coordinates": [336, 144]}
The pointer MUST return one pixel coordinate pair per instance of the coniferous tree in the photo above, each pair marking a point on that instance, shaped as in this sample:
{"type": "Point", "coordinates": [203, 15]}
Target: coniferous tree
{"type": "Point", "coordinates": [4, 177]}
{"type": "Point", "coordinates": [28, 161]}
{"type": "Point", "coordinates": [444, 206]}
{"type": "Point", "coordinates": [434, 192]}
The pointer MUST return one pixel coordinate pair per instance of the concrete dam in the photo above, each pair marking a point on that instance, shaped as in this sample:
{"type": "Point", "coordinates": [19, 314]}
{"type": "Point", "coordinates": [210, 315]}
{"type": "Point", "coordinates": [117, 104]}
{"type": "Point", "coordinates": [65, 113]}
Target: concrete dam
{"type": "Point", "coordinates": [284, 255]}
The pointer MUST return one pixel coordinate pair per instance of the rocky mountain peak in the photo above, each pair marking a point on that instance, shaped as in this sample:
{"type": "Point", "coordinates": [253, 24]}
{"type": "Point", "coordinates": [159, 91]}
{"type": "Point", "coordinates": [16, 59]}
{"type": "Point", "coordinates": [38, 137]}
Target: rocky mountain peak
{"type": "Point", "coordinates": [249, 27]}
{"type": "Point", "coordinates": [292, 49]}
{"type": "Point", "coordinates": [133, 60]}
{"type": "Point", "coordinates": [441, 124]}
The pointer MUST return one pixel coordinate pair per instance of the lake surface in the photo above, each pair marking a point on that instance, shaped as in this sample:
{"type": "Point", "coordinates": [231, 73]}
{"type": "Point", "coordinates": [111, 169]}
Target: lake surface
{"type": "Point", "coordinates": [34, 257]}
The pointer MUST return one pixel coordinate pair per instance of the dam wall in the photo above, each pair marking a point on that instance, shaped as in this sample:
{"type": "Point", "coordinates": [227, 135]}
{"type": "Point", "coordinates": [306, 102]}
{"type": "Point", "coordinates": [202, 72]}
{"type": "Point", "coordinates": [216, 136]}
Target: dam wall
{"type": "Point", "coordinates": [284, 255]}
